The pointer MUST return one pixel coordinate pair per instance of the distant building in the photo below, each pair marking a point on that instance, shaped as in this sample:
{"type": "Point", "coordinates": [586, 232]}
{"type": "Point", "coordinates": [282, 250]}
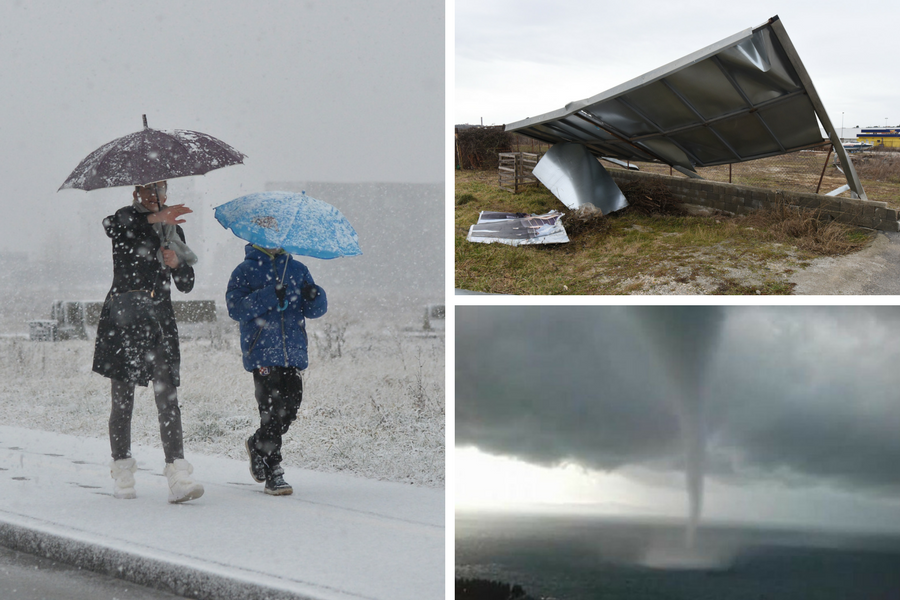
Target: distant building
{"type": "Point", "coordinates": [847, 134]}
{"type": "Point", "coordinates": [889, 137]}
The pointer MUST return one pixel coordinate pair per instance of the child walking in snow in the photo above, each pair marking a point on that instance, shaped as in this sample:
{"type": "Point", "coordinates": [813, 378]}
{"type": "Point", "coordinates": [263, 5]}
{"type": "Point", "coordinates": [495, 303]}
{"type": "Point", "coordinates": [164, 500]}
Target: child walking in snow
{"type": "Point", "coordinates": [271, 295]}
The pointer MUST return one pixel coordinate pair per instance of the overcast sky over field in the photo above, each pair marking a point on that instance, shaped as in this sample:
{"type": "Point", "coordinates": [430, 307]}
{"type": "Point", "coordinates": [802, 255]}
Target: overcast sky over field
{"type": "Point", "coordinates": [573, 407]}
{"type": "Point", "coordinates": [523, 58]}
{"type": "Point", "coordinates": [344, 91]}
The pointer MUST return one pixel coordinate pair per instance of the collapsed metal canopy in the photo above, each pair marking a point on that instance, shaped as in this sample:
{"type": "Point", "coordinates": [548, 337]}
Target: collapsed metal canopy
{"type": "Point", "coordinates": [743, 98]}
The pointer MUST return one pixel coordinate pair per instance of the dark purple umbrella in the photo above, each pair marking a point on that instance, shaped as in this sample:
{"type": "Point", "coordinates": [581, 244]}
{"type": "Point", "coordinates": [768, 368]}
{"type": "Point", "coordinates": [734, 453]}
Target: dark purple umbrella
{"type": "Point", "coordinates": [151, 155]}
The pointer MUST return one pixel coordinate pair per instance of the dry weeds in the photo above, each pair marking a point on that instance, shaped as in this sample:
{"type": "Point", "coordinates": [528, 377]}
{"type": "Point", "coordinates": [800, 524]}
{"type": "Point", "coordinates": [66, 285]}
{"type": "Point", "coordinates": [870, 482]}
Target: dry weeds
{"type": "Point", "coordinates": [650, 198]}
{"type": "Point", "coordinates": [881, 166]}
{"type": "Point", "coordinates": [377, 410]}
{"type": "Point", "coordinates": [807, 230]}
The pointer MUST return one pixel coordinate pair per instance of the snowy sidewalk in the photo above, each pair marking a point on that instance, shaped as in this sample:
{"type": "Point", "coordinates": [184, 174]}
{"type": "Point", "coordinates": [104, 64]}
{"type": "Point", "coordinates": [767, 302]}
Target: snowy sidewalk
{"type": "Point", "coordinates": [337, 537]}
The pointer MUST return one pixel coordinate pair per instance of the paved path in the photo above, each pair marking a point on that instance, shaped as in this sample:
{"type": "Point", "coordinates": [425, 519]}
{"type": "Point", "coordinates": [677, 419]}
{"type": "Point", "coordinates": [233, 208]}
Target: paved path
{"type": "Point", "coordinates": [337, 538]}
{"type": "Point", "coordinates": [873, 271]}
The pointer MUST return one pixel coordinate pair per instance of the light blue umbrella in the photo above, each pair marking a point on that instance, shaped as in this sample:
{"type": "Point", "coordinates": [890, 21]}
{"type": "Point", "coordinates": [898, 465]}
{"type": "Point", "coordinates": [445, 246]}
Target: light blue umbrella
{"type": "Point", "coordinates": [295, 222]}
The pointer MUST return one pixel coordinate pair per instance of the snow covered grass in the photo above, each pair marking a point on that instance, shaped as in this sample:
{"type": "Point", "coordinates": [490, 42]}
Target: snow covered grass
{"type": "Point", "coordinates": [373, 397]}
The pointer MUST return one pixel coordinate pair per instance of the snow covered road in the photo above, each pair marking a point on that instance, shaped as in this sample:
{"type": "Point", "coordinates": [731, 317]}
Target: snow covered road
{"type": "Point", "coordinates": [337, 537]}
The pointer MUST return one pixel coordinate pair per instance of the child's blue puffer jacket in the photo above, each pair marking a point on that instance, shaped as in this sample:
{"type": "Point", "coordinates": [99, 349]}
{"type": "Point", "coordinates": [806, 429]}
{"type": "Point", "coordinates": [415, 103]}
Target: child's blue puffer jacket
{"type": "Point", "coordinates": [272, 337]}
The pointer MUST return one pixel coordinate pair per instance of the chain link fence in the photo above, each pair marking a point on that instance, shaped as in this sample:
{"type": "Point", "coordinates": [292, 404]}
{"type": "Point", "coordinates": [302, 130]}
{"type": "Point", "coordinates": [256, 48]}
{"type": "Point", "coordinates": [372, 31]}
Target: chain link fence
{"type": "Point", "coordinates": [811, 171]}
{"type": "Point", "coordinates": [798, 171]}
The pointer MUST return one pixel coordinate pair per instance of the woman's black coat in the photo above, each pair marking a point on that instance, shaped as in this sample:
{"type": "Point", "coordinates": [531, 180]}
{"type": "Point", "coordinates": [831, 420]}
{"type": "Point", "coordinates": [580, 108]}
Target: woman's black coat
{"type": "Point", "coordinates": [137, 316]}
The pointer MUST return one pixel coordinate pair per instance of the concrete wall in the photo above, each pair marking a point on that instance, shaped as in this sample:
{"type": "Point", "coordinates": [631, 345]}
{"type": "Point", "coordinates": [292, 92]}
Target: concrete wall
{"type": "Point", "coordinates": [741, 200]}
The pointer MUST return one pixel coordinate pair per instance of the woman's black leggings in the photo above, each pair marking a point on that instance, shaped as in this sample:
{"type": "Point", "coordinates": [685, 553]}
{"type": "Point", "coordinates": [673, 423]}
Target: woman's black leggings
{"type": "Point", "coordinates": [166, 405]}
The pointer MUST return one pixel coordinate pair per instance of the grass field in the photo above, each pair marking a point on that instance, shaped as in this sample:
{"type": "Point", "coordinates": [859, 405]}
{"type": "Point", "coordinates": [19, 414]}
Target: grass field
{"type": "Point", "coordinates": [630, 252]}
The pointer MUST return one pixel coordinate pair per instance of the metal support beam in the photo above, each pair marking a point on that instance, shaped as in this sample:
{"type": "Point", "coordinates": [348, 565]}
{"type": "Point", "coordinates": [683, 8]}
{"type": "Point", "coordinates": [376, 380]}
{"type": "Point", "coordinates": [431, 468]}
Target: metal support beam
{"type": "Point", "coordinates": [687, 172]}
{"type": "Point", "coordinates": [839, 150]}
{"type": "Point", "coordinates": [754, 108]}
{"type": "Point", "coordinates": [705, 122]}
{"type": "Point", "coordinates": [621, 163]}
{"type": "Point", "coordinates": [660, 133]}
{"type": "Point", "coordinates": [595, 121]}
{"type": "Point", "coordinates": [598, 146]}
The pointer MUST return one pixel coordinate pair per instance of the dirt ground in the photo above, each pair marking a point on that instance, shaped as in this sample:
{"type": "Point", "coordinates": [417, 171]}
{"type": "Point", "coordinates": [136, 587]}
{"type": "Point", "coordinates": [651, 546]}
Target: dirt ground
{"type": "Point", "coordinates": [638, 254]}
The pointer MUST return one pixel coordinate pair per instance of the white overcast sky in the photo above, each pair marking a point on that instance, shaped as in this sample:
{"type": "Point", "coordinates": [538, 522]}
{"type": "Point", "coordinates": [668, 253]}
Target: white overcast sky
{"type": "Point", "coordinates": [565, 408]}
{"type": "Point", "coordinates": [522, 58]}
{"type": "Point", "coordinates": [338, 91]}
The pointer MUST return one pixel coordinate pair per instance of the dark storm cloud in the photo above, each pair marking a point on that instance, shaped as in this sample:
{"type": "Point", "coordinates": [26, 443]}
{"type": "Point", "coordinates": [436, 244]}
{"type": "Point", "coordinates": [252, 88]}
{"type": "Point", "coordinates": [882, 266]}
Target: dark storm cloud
{"type": "Point", "coordinates": [800, 394]}
{"type": "Point", "coordinates": [556, 384]}
{"type": "Point", "coordinates": [812, 391]}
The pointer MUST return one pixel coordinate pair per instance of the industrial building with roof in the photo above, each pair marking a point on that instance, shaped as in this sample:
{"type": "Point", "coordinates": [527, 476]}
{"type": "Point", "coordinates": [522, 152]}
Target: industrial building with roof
{"type": "Point", "coordinates": [889, 137]}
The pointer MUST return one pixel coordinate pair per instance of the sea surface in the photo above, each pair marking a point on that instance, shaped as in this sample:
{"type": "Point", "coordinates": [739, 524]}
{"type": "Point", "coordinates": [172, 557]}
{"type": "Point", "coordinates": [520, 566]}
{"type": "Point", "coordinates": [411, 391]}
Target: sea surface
{"type": "Point", "coordinates": [581, 558]}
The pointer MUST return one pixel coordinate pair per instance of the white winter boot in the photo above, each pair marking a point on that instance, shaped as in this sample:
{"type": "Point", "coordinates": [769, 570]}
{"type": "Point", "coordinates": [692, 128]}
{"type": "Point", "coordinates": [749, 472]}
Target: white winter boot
{"type": "Point", "coordinates": [122, 471]}
{"type": "Point", "coordinates": [181, 487]}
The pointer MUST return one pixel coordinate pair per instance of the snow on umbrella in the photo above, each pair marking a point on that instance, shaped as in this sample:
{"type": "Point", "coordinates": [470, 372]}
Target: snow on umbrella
{"type": "Point", "coordinates": [295, 222]}
{"type": "Point", "coordinates": [149, 156]}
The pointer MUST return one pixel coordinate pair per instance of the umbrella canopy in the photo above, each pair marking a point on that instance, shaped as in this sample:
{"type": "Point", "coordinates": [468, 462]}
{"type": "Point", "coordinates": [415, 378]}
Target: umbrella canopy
{"type": "Point", "coordinates": [295, 222]}
{"type": "Point", "coordinates": [151, 155]}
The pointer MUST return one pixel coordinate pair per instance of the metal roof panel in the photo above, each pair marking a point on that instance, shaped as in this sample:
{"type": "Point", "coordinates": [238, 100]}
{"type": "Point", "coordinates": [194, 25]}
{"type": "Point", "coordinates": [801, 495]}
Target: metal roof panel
{"type": "Point", "coordinates": [742, 98]}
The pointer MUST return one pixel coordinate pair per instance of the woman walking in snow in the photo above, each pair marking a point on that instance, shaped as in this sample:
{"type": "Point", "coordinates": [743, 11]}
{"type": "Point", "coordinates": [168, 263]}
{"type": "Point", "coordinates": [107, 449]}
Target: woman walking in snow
{"type": "Point", "coordinates": [272, 295]}
{"type": "Point", "coordinates": [137, 337]}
